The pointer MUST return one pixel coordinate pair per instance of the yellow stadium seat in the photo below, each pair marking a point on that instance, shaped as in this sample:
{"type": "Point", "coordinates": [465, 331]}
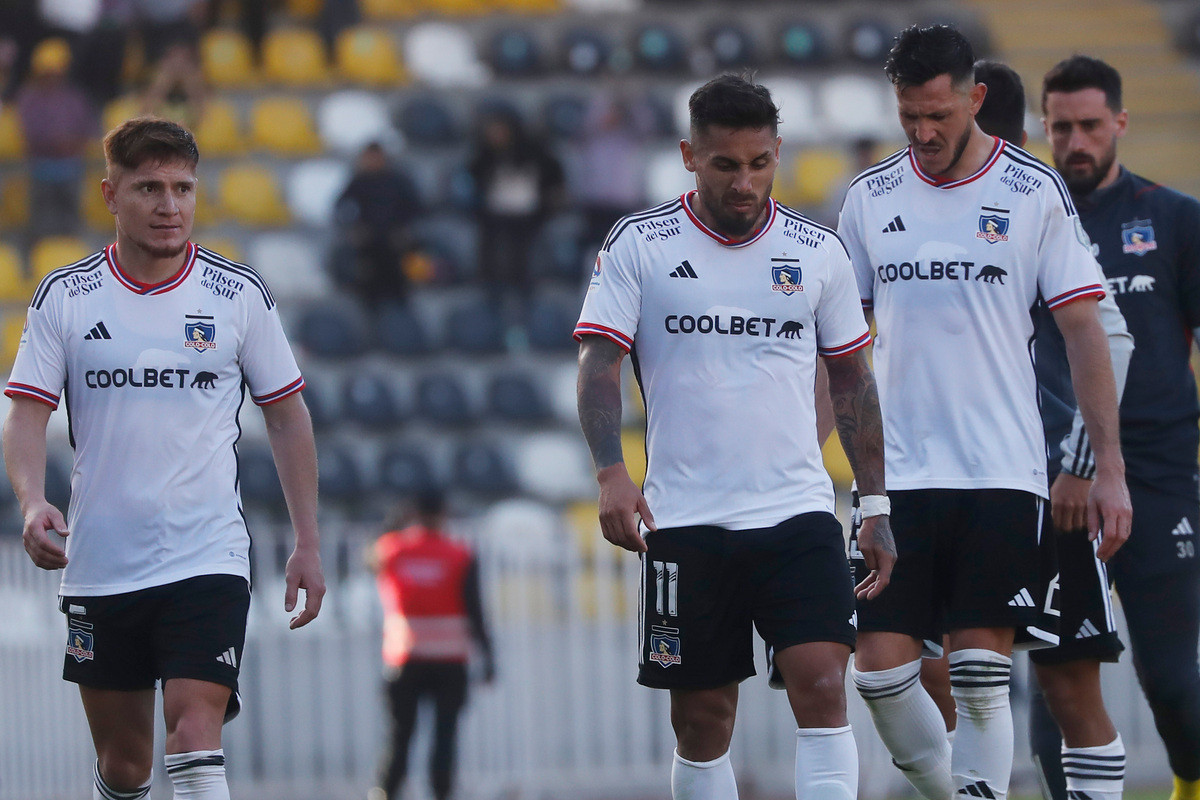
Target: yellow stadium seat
{"type": "Point", "coordinates": [283, 125]}
{"type": "Point", "coordinates": [91, 203]}
{"type": "Point", "coordinates": [12, 137]}
{"type": "Point", "coordinates": [1041, 151]}
{"type": "Point", "coordinates": [836, 463]}
{"type": "Point", "coordinates": [120, 110]}
{"type": "Point", "coordinates": [459, 7]}
{"type": "Point", "coordinates": [14, 286]}
{"type": "Point", "coordinates": [368, 55]}
{"type": "Point", "coordinates": [227, 58]}
{"type": "Point", "coordinates": [250, 194]}
{"type": "Point", "coordinates": [14, 201]}
{"type": "Point", "coordinates": [633, 445]}
{"type": "Point", "coordinates": [815, 173]}
{"type": "Point", "coordinates": [528, 6]}
{"type": "Point", "coordinates": [54, 252]}
{"type": "Point", "coordinates": [294, 57]}
{"type": "Point", "coordinates": [388, 9]}
{"type": "Point", "coordinates": [218, 244]}
{"type": "Point", "coordinates": [208, 210]}
{"type": "Point", "coordinates": [10, 338]}
{"type": "Point", "coordinates": [219, 132]}
{"type": "Point", "coordinates": [304, 9]}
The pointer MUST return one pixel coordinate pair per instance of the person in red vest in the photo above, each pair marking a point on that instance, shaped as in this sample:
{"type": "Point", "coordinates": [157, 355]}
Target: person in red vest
{"type": "Point", "coordinates": [433, 611]}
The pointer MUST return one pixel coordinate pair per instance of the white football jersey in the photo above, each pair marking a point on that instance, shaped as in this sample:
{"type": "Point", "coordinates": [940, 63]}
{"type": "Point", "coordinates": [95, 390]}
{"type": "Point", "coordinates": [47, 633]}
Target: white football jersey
{"type": "Point", "coordinates": [953, 270]}
{"type": "Point", "coordinates": [724, 339]}
{"type": "Point", "coordinates": [153, 377]}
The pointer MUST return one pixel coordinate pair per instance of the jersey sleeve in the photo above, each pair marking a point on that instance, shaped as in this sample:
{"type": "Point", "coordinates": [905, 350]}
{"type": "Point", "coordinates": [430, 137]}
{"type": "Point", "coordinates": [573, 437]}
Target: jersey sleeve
{"type": "Point", "coordinates": [40, 371]}
{"type": "Point", "coordinates": [841, 326]}
{"type": "Point", "coordinates": [1067, 270]}
{"type": "Point", "coordinates": [1188, 229]}
{"type": "Point", "coordinates": [613, 305]}
{"type": "Point", "coordinates": [849, 228]}
{"type": "Point", "coordinates": [266, 357]}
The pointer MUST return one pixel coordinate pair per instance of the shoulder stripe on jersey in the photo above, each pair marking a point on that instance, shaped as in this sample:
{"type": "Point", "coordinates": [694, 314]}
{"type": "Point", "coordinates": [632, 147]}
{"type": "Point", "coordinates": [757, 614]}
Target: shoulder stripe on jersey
{"type": "Point", "coordinates": [83, 265]}
{"type": "Point", "coordinates": [279, 394]}
{"type": "Point", "coordinates": [243, 270]}
{"type": "Point", "coordinates": [1094, 290]}
{"type": "Point", "coordinates": [1032, 162]}
{"type": "Point", "coordinates": [882, 166]}
{"type": "Point", "coordinates": [796, 215]}
{"type": "Point", "coordinates": [612, 334]}
{"type": "Point", "coordinates": [25, 390]}
{"type": "Point", "coordinates": [624, 222]}
{"type": "Point", "coordinates": [846, 349]}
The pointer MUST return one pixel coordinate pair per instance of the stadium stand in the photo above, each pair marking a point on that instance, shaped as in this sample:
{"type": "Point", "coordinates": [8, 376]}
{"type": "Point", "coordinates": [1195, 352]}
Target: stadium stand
{"type": "Point", "coordinates": [442, 400]}
{"type": "Point", "coordinates": [219, 133]}
{"type": "Point", "coordinates": [12, 138]}
{"type": "Point", "coordinates": [294, 57]}
{"type": "Point", "coordinates": [227, 59]}
{"type": "Point", "coordinates": [368, 399]}
{"type": "Point", "coordinates": [249, 193]}
{"type": "Point", "coordinates": [367, 55]}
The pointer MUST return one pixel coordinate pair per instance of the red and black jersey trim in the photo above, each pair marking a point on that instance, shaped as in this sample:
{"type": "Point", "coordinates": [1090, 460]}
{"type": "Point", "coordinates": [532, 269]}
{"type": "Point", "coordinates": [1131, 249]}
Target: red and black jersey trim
{"type": "Point", "coordinates": [279, 394]}
{"type": "Point", "coordinates": [243, 271]}
{"type": "Point", "coordinates": [162, 287]}
{"type": "Point", "coordinates": [846, 349]}
{"type": "Point", "coordinates": [612, 334]}
{"type": "Point", "coordinates": [669, 207]}
{"type": "Point", "coordinates": [25, 390]}
{"type": "Point", "coordinates": [1094, 290]}
{"type": "Point", "coordinates": [998, 147]}
{"type": "Point", "coordinates": [772, 212]}
{"type": "Point", "coordinates": [84, 265]}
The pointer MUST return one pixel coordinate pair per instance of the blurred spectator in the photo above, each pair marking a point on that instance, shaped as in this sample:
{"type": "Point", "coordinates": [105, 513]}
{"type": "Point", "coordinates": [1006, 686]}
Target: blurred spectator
{"type": "Point", "coordinates": [374, 212]}
{"type": "Point", "coordinates": [8, 63]}
{"type": "Point", "coordinates": [171, 37]}
{"type": "Point", "coordinates": [433, 610]}
{"type": "Point", "coordinates": [518, 184]}
{"type": "Point", "coordinates": [252, 16]}
{"type": "Point", "coordinates": [58, 121]}
{"type": "Point", "coordinates": [100, 51]}
{"type": "Point", "coordinates": [21, 23]}
{"type": "Point", "coordinates": [611, 173]}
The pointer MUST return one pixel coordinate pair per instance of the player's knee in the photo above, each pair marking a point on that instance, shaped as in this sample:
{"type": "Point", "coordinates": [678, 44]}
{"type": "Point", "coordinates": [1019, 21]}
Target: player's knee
{"type": "Point", "coordinates": [703, 723]}
{"type": "Point", "coordinates": [820, 701]}
{"type": "Point", "coordinates": [194, 729]}
{"type": "Point", "coordinates": [125, 772]}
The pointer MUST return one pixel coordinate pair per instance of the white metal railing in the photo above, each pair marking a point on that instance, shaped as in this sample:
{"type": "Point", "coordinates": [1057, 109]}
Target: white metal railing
{"type": "Point", "coordinates": [564, 717]}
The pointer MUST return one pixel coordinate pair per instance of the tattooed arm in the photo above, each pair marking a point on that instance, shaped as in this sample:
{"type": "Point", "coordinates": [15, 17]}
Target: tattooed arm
{"type": "Point", "coordinates": [599, 395]}
{"type": "Point", "coordinates": [860, 427]}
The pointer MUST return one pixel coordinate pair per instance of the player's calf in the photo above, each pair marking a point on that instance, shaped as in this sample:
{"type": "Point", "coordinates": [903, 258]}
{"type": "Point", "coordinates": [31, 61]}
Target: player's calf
{"type": "Point", "coordinates": [101, 790]}
{"type": "Point", "coordinates": [199, 775]}
{"type": "Point", "coordinates": [981, 762]}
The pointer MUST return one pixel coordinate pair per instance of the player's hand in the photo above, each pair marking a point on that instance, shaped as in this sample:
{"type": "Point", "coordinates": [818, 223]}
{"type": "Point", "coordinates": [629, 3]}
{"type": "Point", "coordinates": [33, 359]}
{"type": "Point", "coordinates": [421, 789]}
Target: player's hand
{"type": "Point", "coordinates": [43, 521]}
{"type": "Point", "coordinates": [621, 502]}
{"type": "Point", "coordinates": [878, 547]}
{"type": "Point", "coordinates": [304, 572]}
{"type": "Point", "coordinates": [1110, 510]}
{"type": "Point", "coordinates": [1069, 502]}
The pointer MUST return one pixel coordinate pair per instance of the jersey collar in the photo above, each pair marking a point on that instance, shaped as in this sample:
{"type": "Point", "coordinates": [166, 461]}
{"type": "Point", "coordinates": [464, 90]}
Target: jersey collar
{"type": "Point", "coordinates": [136, 286]}
{"type": "Point", "coordinates": [942, 183]}
{"type": "Point", "coordinates": [686, 198]}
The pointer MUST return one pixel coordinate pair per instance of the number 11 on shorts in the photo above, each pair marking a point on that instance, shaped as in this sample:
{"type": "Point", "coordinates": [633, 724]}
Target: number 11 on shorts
{"type": "Point", "coordinates": [670, 571]}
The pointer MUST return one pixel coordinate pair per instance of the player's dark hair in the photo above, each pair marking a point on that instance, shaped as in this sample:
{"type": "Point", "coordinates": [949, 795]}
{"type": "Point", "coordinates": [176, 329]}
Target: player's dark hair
{"type": "Point", "coordinates": [430, 503]}
{"type": "Point", "coordinates": [733, 101]}
{"type": "Point", "coordinates": [1003, 111]}
{"type": "Point", "coordinates": [922, 54]}
{"type": "Point", "coordinates": [1084, 72]}
{"type": "Point", "coordinates": [133, 143]}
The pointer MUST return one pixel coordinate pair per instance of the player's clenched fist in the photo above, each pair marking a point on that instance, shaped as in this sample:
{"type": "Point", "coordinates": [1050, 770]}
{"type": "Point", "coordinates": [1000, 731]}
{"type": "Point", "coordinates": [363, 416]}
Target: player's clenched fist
{"type": "Point", "coordinates": [621, 502]}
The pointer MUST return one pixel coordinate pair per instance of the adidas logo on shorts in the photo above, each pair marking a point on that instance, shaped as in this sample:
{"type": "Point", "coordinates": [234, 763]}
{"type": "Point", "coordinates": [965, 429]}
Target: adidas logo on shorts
{"type": "Point", "coordinates": [228, 657]}
{"type": "Point", "coordinates": [1087, 629]}
{"type": "Point", "coordinates": [1022, 599]}
{"type": "Point", "coordinates": [1184, 528]}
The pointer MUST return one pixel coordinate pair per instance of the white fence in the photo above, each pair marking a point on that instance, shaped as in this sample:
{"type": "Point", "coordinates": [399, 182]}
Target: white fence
{"type": "Point", "coordinates": [564, 718]}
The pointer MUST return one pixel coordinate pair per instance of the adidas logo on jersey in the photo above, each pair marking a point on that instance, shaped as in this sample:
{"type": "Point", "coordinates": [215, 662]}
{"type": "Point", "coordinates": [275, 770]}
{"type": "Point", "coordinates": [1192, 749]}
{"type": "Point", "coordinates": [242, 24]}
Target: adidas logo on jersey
{"type": "Point", "coordinates": [1184, 528]}
{"type": "Point", "coordinates": [895, 226]}
{"type": "Point", "coordinates": [684, 270]}
{"type": "Point", "coordinates": [98, 331]}
{"type": "Point", "coordinates": [1022, 599]}
{"type": "Point", "coordinates": [1087, 630]}
{"type": "Point", "coordinates": [228, 657]}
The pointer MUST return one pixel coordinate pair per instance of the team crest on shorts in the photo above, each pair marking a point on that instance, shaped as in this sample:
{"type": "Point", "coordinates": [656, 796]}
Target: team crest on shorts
{"type": "Point", "coordinates": [79, 641]}
{"type": "Point", "coordinates": [1137, 237]}
{"type": "Point", "coordinates": [992, 228]}
{"type": "Point", "coordinates": [786, 280]}
{"type": "Point", "coordinates": [199, 336]}
{"type": "Point", "coordinates": [664, 645]}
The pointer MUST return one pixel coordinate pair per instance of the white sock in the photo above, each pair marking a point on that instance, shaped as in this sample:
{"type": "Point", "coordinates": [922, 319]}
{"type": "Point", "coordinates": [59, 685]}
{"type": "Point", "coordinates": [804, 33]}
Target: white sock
{"type": "Point", "coordinates": [102, 791]}
{"type": "Point", "coordinates": [703, 780]}
{"type": "Point", "coordinates": [826, 764]}
{"type": "Point", "coordinates": [983, 747]}
{"type": "Point", "coordinates": [911, 726]}
{"type": "Point", "coordinates": [1095, 772]}
{"type": "Point", "coordinates": [199, 775]}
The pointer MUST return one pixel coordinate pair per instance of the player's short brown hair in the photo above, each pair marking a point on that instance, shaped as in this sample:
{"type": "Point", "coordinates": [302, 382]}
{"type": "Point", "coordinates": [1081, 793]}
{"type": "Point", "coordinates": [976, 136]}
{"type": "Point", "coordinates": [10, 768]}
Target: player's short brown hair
{"type": "Point", "coordinates": [136, 141]}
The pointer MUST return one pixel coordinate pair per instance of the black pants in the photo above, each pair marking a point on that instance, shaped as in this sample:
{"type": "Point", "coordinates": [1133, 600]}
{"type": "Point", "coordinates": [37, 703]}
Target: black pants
{"type": "Point", "coordinates": [446, 684]}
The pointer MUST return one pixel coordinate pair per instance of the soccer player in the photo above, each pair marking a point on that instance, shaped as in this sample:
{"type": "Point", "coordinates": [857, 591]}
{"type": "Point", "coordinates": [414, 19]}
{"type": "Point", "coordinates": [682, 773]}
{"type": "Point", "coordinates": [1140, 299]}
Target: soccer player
{"type": "Point", "coordinates": [724, 299]}
{"type": "Point", "coordinates": [954, 239]}
{"type": "Point", "coordinates": [152, 344]}
{"type": "Point", "coordinates": [1147, 239]}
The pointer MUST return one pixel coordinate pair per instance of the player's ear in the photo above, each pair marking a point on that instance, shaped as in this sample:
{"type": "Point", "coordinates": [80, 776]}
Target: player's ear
{"type": "Point", "coordinates": [1024, 137]}
{"type": "Point", "coordinates": [108, 189]}
{"type": "Point", "coordinates": [1122, 120]}
{"type": "Point", "coordinates": [778, 141]}
{"type": "Point", "coordinates": [689, 155]}
{"type": "Point", "coordinates": [976, 95]}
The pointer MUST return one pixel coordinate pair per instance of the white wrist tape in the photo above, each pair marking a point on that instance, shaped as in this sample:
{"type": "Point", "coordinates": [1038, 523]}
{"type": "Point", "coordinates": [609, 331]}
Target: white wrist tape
{"type": "Point", "coordinates": [874, 505]}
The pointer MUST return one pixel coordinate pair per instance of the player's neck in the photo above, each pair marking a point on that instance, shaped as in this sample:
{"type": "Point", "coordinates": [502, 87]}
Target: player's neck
{"type": "Point", "coordinates": [702, 213]}
{"type": "Point", "coordinates": [1114, 172]}
{"type": "Point", "coordinates": [979, 149]}
{"type": "Point", "coordinates": [145, 268]}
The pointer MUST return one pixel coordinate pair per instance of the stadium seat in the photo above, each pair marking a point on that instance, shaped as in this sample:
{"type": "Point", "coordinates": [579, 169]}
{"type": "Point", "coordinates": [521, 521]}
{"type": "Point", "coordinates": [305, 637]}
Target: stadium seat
{"type": "Point", "coordinates": [556, 253]}
{"type": "Point", "coordinates": [368, 399]}
{"type": "Point", "coordinates": [802, 44]}
{"type": "Point", "coordinates": [731, 46]}
{"type": "Point", "coordinates": [227, 59]}
{"type": "Point", "coordinates": [54, 252]}
{"type": "Point", "coordinates": [258, 477]}
{"type": "Point", "coordinates": [633, 446]}
{"type": "Point", "coordinates": [475, 328]}
{"type": "Point", "coordinates": [442, 400]}
{"type": "Point", "coordinates": [305, 9]}
{"type": "Point", "coordinates": [514, 53]}
{"type": "Point", "coordinates": [92, 208]}
{"type": "Point", "coordinates": [313, 189]}
{"type": "Point", "coordinates": [350, 120]}
{"type": "Point", "coordinates": [453, 238]}
{"type": "Point", "coordinates": [458, 7]}
{"type": "Point", "coordinates": [659, 49]}
{"type": "Point", "coordinates": [250, 195]}
{"type": "Point", "coordinates": [868, 41]}
{"type": "Point", "coordinates": [294, 57]}
{"type": "Point", "coordinates": [120, 110]}
{"type": "Point", "coordinates": [338, 473]}
{"type": "Point", "coordinates": [14, 200]}
{"type": "Point", "coordinates": [514, 398]}
{"type": "Point", "coordinates": [368, 55]}
{"type": "Point", "coordinates": [283, 125]}
{"type": "Point", "coordinates": [427, 121]}
{"type": "Point", "coordinates": [331, 330]}
{"type": "Point", "coordinates": [528, 6]}
{"type": "Point", "coordinates": [564, 115]}
{"type": "Point", "coordinates": [14, 286]}
{"type": "Point", "coordinates": [388, 9]}
{"type": "Point", "coordinates": [290, 262]}
{"type": "Point", "coordinates": [816, 173]}
{"type": "Point", "coordinates": [219, 132]}
{"type": "Point", "coordinates": [12, 136]}
{"type": "Point", "coordinates": [10, 337]}
{"type": "Point", "coordinates": [855, 105]}
{"type": "Point", "coordinates": [405, 470]}
{"type": "Point", "coordinates": [550, 326]}
{"type": "Point", "coordinates": [584, 52]}
{"type": "Point", "coordinates": [221, 246]}
{"type": "Point", "coordinates": [208, 203]}
{"type": "Point", "coordinates": [320, 408]}
{"type": "Point", "coordinates": [554, 467]}
{"type": "Point", "coordinates": [399, 331]}
{"type": "Point", "coordinates": [444, 55]}
{"type": "Point", "coordinates": [480, 467]}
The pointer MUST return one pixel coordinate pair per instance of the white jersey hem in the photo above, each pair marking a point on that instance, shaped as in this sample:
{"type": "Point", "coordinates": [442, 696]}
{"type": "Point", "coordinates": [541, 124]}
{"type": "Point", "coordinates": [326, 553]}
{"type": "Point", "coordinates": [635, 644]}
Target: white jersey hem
{"type": "Point", "coordinates": [1040, 489]}
{"type": "Point", "coordinates": [744, 524]}
{"type": "Point", "coordinates": [68, 590]}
